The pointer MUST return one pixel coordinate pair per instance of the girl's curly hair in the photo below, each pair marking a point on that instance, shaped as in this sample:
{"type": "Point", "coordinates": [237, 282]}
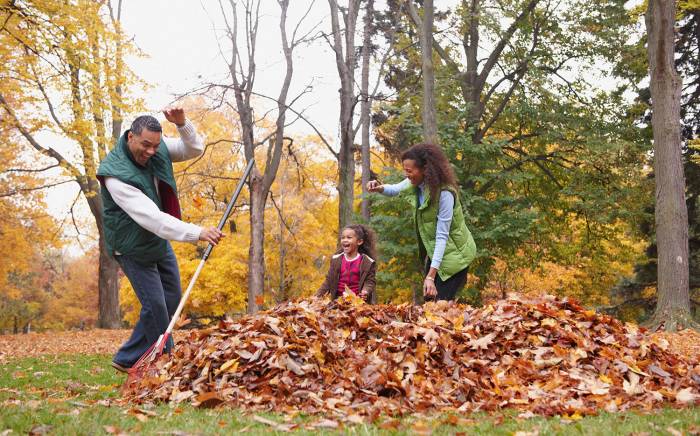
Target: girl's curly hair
{"type": "Point", "coordinates": [368, 238]}
{"type": "Point", "coordinates": [438, 171]}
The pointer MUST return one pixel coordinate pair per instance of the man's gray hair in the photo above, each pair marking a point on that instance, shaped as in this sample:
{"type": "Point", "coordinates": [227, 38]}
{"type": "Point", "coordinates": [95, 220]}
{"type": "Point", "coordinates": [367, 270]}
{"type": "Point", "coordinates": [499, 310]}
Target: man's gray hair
{"type": "Point", "coordinates": [145, 121]}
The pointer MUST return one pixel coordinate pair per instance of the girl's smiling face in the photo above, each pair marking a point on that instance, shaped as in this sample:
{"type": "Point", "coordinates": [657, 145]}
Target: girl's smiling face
{"type": "Point", "coordinates": [349, 242]}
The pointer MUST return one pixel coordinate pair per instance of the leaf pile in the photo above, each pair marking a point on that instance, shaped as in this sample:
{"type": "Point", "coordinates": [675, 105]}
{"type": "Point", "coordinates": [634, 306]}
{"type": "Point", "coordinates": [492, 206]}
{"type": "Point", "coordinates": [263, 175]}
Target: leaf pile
{"type": "Point", "coordinates": [545, 356]}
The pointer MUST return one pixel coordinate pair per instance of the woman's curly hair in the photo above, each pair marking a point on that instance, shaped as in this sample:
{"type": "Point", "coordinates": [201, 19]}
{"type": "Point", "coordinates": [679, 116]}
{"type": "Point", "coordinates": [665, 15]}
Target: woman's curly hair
{"type": "Point", "coordinates": [438, 170]}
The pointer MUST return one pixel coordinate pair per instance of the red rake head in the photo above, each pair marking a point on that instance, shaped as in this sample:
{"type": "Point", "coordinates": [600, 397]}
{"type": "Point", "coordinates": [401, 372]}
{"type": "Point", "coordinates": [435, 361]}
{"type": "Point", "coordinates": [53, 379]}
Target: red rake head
{"type": "Point", "coordinates": [141, 367]}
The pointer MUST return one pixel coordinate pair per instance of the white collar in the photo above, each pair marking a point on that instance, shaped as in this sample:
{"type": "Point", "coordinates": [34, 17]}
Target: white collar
{"type": "Point", "coordinates": [353, 259]}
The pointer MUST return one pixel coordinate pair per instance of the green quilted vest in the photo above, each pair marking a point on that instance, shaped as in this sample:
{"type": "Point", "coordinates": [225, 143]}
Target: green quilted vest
{"type": "Point", "coordinates": [122, 234]}
{"type": "Point", "coordinates": [460, 249]}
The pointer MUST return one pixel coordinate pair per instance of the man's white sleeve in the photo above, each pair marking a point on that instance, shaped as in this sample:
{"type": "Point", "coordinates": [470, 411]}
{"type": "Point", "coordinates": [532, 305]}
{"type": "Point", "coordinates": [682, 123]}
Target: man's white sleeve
{"type": "Point", "coordinates": [147, 214]}
{"type": "Point", "coordinates": [188, 146]}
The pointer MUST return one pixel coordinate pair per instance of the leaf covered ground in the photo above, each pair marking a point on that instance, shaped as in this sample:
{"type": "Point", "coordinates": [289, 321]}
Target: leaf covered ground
{"type": "Point", "coordinates": [65, 342]}
{"type": "Point", "coordinates": [352, 362]}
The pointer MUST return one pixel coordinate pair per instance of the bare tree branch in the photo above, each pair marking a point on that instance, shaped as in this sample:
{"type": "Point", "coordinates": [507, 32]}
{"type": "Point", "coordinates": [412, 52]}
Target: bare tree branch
{"type": "Point", "coordinates": [50, 152]}
{"type": "Point", "coordinates": [505, 39]}
{"type": "Point", "coordinates": [35, 188]}
{"type": "Point", "coordinates": [417, 22]}
{"type": "Point", "coordinates": [30, 170]}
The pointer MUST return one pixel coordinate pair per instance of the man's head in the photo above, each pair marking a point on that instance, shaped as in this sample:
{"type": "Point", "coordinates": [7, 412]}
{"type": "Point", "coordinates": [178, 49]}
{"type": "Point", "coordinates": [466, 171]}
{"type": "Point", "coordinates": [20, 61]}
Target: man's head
{"type": "Point", "coordinates": [143, 138]}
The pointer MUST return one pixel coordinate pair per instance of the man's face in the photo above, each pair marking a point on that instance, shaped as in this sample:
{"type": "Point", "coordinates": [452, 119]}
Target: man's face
{"type": "Point", "coordinates": [144, 145]}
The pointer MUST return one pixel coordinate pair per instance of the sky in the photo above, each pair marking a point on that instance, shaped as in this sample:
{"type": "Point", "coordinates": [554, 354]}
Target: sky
{"type": "Point", "coordinates": [186, 45]}
{"type": "Point", "coordinates": [183, 45]}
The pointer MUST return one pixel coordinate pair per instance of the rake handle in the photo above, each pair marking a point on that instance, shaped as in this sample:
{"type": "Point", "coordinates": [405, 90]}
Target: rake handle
{"type": "Point", "coordinates": [207, 252]}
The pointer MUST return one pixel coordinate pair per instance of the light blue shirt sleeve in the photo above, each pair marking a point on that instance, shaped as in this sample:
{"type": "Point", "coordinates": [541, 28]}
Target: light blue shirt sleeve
{"type": "Point", "coordinates": [444, 220]}
{"type": "Point", "coordinates": [395, 189]}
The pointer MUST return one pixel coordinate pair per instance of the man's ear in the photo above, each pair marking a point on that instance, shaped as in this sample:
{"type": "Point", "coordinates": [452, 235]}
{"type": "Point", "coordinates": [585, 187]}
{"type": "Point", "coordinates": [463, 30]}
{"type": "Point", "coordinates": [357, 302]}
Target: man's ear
{"type": "Point", "coordinates": [129, 136]}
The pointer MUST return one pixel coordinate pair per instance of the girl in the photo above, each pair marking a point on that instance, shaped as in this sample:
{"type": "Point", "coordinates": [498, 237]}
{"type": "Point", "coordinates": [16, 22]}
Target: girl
{"type": "Point", "coordinates": [353, 268]}
{"type": "Point", "coordinates": [444, 240]}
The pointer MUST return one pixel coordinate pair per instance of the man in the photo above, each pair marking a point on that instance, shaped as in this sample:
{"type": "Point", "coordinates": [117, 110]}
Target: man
{"type": "Point", "coordinates": [141, 213]}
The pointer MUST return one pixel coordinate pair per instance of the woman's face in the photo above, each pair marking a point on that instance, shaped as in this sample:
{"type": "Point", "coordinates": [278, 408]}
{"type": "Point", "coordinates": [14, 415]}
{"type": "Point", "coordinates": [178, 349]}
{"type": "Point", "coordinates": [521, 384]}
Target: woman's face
{"type": "Point", "coordinates": [413, 172]}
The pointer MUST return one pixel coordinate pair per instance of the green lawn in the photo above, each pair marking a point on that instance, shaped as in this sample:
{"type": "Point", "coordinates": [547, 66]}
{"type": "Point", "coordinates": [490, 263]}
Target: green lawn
{"type": "Point", "coordinates": [70, 395]}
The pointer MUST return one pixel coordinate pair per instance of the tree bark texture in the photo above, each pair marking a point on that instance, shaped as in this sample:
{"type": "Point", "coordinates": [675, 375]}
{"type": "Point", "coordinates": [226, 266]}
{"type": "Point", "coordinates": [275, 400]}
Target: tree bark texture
{"type": "Point", "coordinates": [365, 109]}
{"type": "Point", "coordinates": [671, 214]}
{"type": "Point", "coordinates": [430, 134]}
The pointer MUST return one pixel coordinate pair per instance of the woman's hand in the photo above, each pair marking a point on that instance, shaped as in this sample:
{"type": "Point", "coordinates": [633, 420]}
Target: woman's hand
{"type": "Point", "coordinates": [363, 294]}
{"type": "Point", "coordinates": [429, 289]}
{"type": "Point", "coordinates": [375, 186]}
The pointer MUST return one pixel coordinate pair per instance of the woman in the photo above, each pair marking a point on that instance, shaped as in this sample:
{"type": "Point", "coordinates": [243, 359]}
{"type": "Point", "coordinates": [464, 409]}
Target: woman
{"type": "Point", "coordinates": [442, 233]}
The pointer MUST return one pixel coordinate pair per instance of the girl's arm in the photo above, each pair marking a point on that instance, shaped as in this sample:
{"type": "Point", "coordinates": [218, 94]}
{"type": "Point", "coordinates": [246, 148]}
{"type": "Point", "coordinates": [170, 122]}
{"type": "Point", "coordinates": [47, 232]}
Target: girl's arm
{"type": "Point", "coordinates": [370, 282]}
{"type": "Point", "coordinates": [325, 287]}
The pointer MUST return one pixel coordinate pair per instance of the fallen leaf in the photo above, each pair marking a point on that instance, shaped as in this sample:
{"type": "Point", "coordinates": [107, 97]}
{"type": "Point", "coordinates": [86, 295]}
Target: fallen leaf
{"type": "Point", "coordinates": [482, 343]}
{"type": "Point", "coordinates": [673, 431]}
{"type": "Point", "coordinates": [40, 430]}
{"type": "Point", "coordinates": [325, 423]}
{"type": "Point", "coordinates": [207, 400]}
{"type": "Point", "coordinates": [686, 396]}
{"type": "Point", "coordinates": [277, 426]}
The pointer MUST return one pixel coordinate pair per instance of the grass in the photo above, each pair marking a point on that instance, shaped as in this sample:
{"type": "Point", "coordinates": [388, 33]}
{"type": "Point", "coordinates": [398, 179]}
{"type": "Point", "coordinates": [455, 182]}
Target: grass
{"type": "Point", "coordinates": [69, 395]}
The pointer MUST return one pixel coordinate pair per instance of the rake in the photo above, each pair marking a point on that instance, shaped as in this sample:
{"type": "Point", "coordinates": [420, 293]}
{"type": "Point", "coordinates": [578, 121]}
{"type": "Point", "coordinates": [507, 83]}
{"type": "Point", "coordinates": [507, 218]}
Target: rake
{"type": "Point", "coordinates": [136, 372]}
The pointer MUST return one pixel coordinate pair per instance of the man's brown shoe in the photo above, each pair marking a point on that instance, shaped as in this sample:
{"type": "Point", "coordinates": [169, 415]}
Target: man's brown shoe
{"type": "Point", "coordinates": [119, 368]}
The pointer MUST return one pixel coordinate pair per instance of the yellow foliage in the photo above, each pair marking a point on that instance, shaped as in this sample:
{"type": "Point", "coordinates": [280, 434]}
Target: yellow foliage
{"type": "Point", "coordinates": [76, 282]}
{"type": "Point", "coordinates": [587, 275]}
{"type": "Point", "coordinates": [26, 233]}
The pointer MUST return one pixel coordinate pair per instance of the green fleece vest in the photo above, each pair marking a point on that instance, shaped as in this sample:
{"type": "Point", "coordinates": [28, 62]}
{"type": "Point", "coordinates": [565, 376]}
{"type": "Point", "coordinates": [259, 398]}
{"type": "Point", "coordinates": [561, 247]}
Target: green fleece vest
{"type": "Point", "coordinates": [460, 249]}
{"type": "Point", "coordinates": [122, 233]}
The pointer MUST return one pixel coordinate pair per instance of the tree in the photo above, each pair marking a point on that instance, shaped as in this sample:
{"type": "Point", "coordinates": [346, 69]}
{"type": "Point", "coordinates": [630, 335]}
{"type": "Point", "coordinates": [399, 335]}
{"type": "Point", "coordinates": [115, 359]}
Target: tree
{"type": "Point", "coordinates": [534, 145]}
{"type": "Point", "coordinates": [425, 32]}
{"type": "Point", "coordinates": [345, 51]}
{"type": "Point", "coordinates": [343, 44]}
{"type": "Point", "coordinates": [637, 295]}
{"type": "Point", "coordinates": [673, 305]}
{"type": "Point", "coordinates": [365, 107]}
{"type": "Point", "coordinates": [27, 234]}
{"type": "Point", "coordinates": [242, 83]}
{"type": "Point", "coordinates": [64, 72]}
{"type": "Point", "coordinates": [73, 280]}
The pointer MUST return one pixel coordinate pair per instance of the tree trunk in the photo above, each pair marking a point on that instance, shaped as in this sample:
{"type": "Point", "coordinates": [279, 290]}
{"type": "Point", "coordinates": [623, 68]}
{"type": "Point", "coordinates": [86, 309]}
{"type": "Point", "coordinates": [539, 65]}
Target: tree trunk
{"type": "Point", "coordinates": [365, 109]}
{"type": "Point", "coordinates": [429, 112]}
{"type": "Point", "coordinates": [673, 307]}
{"type": "Point", "coordinates": [345, 63]}
{"type": "Point", "coordinates": [109, 315]}
{"type": "Point", "coordinates": [260, 183]}
{"type": "Point", "coordinates": [256, 251]}
{"type": "Point", "coordinates": [282, 288]}
{"type": "Point", "coordinates": [346, 183]}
